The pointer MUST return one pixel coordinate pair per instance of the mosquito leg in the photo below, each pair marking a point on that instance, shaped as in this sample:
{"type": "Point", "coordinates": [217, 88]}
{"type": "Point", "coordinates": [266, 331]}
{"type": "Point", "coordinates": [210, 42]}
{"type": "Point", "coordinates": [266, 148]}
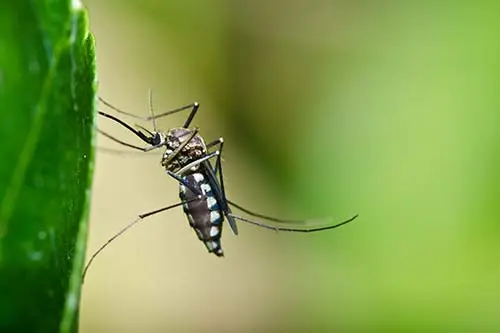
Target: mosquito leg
{"type": "Point", "coordinates": [218, 163]}
{"type": "Point", "coordinates": [270, 218]}
{"type": "Point", "coordinates": [124, 229]}
{"type": "Point", "coordinates": [197, 162]}
{"type": "Point", "coordinates": [219, 142]}
{"type": "Point", "coordinates": [194, 109]}
{"type": "Point", "coordinates": [111, 106]}
{"type": "Point", "coordinates": [193, 106]}
{"type": "Point", "coordinates": [304, 228]}
{"type": "Point", "coordinates": [221, 194]}
{"type": "Point", "coordinates": [218, 166]}
{"type": "Point", "coordinates": [150, 100]}
{"type": "Point", "coordinates": [221, 189]}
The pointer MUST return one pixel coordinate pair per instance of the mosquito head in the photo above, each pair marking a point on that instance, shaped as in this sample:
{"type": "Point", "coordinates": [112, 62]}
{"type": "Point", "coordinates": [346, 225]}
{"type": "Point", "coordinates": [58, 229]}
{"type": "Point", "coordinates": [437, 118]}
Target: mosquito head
{"type": "Point", "coordinates": [158, 139]}
{"type": "Point", "coordinates": [193, 147]}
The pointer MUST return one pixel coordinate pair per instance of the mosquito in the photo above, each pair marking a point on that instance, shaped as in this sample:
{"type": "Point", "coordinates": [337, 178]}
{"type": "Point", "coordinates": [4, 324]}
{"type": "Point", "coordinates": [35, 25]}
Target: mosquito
{"type": "Point", "coordinates": [196, 166]}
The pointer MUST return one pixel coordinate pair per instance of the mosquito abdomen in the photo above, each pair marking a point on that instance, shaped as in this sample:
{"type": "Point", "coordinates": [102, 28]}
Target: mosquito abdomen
{"type": "Point", "coordinates": [204, 214]}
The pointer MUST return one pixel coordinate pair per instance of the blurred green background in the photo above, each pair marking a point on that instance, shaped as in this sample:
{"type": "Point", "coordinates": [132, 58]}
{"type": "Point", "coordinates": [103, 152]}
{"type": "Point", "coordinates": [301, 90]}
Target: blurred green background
{"type": "Point", "coordinates": [388, 109]}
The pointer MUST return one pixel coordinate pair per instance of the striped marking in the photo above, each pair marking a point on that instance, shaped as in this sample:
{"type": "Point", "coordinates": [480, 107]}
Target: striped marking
{"type": "Point", "coordinates": [211, 202]}
{"type": "Point", "coordinates": [214, 231]}
{"type": "Point", "coordinates": [211, 245]}
{"type": "Point", "coordinates": [198, 177]}
{"type": "Point", "coordinates": [206, 189]}
{"type": "Point", "coordinates": [214, 216]}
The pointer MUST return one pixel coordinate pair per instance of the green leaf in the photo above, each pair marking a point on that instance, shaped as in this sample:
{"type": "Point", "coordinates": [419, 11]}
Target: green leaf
{"type": "Point", "coordinates": [47, 103]}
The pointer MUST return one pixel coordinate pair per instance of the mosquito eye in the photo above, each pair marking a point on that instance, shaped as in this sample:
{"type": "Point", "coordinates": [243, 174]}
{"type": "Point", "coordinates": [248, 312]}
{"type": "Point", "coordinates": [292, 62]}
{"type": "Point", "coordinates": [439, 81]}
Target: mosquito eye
{"type": "Point", "coordinates": [156, 140]}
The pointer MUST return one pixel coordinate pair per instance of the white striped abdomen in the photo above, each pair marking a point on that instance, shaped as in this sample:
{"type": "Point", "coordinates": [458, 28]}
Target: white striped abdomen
{"type": "Point", "coordinates": [204, 214]}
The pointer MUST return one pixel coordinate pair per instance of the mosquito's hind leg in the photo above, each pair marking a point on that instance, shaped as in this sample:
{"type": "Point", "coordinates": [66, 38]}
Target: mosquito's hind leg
{"type": "Point", "coordinates": [124, 229]}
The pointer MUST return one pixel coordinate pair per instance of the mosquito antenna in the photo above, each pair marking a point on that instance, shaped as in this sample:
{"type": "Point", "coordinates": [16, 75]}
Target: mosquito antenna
{"type": "Point", "coordinates": [150, 99]}
{"type": "Point", "coordinates": [127, 227]}
{"type": "Point", "coordinates": [141, 135]}
{"type": "Point", "coordinates": [303, 228]}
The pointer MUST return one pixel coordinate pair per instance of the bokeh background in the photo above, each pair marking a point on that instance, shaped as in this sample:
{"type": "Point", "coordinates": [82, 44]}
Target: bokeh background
{"type": "Point", "coordinates": [389, 109]}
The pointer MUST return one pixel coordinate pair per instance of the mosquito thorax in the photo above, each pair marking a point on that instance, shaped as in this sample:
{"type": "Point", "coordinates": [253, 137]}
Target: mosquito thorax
{"type": "Point", "coordinates": [193, 150]}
